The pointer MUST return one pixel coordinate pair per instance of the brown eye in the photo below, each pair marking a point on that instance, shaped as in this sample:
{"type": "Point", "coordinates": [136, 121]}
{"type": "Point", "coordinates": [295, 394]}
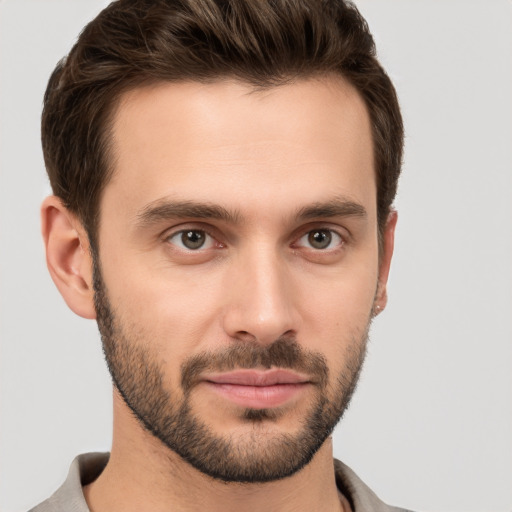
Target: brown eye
{"type": "Point", "coordinates": [320, 238]}
{"type": "Point", "coordinates": [192, 239]}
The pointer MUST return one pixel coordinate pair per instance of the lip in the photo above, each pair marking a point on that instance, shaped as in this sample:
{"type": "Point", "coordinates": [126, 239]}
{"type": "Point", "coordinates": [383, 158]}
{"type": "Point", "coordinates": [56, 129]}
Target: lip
{"type": "Point", "coordinates": [258, 389]}
{"type": "Point", "coordinates": [258, 378]}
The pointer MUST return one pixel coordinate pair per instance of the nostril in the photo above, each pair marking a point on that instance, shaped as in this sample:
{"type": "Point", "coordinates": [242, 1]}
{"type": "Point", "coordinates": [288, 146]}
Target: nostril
{"type": "Point", "coordinates": [245, 336]}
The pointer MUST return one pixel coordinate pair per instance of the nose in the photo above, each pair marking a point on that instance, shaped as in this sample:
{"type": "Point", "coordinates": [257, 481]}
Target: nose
{"type": "Point", "coordinates": [260, 299]}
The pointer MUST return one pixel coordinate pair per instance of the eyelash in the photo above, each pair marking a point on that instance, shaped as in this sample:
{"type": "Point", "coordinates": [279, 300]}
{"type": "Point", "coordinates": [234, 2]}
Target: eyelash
{"type": "Point", "coordinates": [332, 235]}
{"type": "Point", "coordinates": [182, 232]}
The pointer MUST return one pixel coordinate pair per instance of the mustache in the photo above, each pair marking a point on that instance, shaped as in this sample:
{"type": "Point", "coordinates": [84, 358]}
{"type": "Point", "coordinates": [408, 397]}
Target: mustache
{"type": "Point", "coordinates": [284, 353]}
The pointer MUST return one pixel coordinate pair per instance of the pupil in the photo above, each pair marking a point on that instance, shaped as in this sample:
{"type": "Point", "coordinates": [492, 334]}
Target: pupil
{"type": "Point", "coordinates": [193, 239]}
{"type": "Point", "coordinates": [320, 239]}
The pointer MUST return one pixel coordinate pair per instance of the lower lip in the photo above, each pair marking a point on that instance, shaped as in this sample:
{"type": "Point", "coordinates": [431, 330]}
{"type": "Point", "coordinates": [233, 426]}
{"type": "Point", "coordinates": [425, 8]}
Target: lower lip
{"type": "Point", "coordinates": [258, 397]}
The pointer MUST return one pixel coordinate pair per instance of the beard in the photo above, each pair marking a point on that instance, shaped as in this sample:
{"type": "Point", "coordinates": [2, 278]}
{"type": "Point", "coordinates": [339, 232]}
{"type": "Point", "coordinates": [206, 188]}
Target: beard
{"type": "Point", "coordinates": [255, 456]}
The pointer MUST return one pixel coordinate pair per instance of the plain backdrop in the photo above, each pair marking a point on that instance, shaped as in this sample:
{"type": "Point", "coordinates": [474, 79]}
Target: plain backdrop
{"type": "Point", "coordinates": [430, 426]}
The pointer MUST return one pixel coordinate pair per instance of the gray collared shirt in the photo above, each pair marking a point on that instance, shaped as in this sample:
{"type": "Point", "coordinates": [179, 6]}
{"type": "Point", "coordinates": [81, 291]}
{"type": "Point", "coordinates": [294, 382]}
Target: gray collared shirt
{"type": "Point", "coordinates": [87, 467]}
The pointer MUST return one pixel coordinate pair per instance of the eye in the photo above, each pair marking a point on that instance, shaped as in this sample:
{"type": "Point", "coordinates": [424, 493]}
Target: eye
{"type": "Point", "coordinates": [192, 239]}
{"type": "Point", "coordinates": [321, 239]}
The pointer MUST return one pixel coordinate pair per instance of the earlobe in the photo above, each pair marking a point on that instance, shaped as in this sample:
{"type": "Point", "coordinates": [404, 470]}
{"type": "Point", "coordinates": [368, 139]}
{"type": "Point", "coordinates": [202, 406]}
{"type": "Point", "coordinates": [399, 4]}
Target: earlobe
{"type": "Point", "coordinates": [68, 256]}
{"type": "Point", "coordinates": [388, 242]}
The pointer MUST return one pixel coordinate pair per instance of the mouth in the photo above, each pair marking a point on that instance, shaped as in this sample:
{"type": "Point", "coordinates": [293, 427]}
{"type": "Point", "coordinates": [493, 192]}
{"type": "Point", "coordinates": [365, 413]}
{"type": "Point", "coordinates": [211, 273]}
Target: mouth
{"type": "Point", "coordinates": [258, 389]}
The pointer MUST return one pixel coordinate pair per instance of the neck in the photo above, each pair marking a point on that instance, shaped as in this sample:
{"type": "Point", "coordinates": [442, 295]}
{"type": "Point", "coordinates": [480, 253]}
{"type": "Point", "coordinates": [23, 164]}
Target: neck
{"type": "Point", "coordinates": [142, 474]}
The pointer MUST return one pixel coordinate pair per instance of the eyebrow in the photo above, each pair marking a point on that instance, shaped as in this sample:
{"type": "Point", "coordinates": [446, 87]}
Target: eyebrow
{"type": "Point", "coordinates": [337, 207]}
{"type": "Point", "coordinates": [164, 209]}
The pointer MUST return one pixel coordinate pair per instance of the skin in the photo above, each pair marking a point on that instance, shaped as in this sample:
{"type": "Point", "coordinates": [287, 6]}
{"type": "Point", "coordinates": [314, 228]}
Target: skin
{"type": "Point", "coordinates": [264, 156]}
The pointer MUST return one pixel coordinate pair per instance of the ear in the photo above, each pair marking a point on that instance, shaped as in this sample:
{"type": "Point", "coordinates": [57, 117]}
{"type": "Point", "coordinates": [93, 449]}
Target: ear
{"type": "Point", "coordinates": [68, 256]}
{"type": "Point", "coordinates": [388, 243]}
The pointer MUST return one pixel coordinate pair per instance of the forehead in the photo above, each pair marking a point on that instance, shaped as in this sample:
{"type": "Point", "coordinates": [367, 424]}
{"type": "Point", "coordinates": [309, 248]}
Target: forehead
{"type": "Point", "coordinates": [228, 142]}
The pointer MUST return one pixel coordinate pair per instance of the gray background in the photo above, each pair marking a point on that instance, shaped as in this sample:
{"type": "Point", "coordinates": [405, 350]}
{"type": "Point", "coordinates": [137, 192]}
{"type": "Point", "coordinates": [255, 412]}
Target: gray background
{"type": "Point", "coordinates": [430, 426]}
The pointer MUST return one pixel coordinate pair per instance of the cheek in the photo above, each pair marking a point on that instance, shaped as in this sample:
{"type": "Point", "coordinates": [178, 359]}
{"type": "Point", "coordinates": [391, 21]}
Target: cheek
{"type": "Point", "coordinates": [337, 313]}
{"type": "Point", "coordinates": [171, 309]}
{"type": "Point", "coordinates": [348, 288]}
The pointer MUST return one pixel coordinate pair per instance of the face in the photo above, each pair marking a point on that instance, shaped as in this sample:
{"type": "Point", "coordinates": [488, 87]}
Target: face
{"type": "Point", "coordinates": [238, 268]}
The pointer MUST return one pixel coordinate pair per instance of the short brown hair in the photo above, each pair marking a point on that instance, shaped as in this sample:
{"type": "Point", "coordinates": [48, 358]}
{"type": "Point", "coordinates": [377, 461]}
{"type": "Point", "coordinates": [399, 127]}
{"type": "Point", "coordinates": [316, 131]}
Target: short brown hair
{"type": "Point", "coordinates": [264, 43]}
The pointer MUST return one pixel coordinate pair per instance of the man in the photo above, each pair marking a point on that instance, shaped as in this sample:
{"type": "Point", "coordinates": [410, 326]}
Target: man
{"type": "Point", "coordinates": [223, 176]}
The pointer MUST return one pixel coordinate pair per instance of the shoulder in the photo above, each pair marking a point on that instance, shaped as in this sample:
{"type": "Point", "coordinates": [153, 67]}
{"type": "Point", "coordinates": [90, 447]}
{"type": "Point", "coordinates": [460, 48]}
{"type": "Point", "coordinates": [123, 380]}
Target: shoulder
{"type": "Point", "coordinates": [69, 496]}
{"type": "Point", "coordinates": [360, 496]}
